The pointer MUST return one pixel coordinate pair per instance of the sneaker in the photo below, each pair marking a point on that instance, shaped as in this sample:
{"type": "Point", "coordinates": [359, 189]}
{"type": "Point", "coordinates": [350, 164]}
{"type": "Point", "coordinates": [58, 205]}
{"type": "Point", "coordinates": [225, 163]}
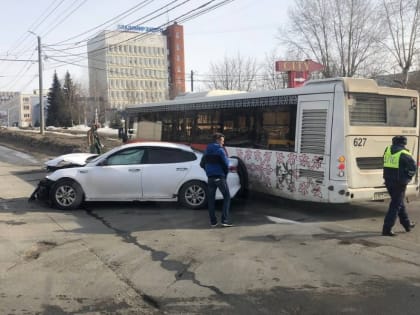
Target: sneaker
{"type": "Point", "coordinates": [410, 226]}
{"type": "Point", "coordinates": [214, 225]}
{"type": "Point", "coordinates": [227, 224]}
{"type": "Point", "coordinates": [388, 233]}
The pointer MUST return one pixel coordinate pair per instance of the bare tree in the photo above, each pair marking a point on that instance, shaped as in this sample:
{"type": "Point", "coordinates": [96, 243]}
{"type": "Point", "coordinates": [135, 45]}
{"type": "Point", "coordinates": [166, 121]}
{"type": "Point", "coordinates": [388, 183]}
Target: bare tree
{"type": "Point", "coordinates": [402, 18]}
{"type": "Point", "coordinates": [236, 73]}
{"type": "Point", "coordinates": [272, 79]}
{"type": "Point", "coordinates": [340, 34]}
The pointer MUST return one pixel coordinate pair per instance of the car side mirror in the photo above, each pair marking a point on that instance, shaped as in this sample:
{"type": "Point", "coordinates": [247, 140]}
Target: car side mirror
{"type": "Point", "coordinates": [103, 163]}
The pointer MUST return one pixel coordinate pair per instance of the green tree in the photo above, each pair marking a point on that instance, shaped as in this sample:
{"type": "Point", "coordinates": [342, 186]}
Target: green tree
{"type": "Point", "coordinates": [69, 110]}
{"type": "Point", "coordinates": [56, 103]}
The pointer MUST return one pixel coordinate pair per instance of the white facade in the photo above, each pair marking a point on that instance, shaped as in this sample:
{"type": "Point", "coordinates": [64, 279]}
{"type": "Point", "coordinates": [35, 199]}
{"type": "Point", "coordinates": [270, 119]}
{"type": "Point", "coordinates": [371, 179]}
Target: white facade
{"type": "Point", "coordinates": [15, 109]}
{"type": "Point", "coordinates": [127, 68]}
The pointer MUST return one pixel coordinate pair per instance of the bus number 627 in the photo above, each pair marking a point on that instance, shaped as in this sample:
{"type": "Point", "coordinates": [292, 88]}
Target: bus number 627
{"type": "Point", "coordinates": [359, 142]}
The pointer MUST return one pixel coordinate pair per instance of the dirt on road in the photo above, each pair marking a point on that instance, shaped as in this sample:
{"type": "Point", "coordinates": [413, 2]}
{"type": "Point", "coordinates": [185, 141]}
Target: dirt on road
{"type": "Point", "coordinates": [52, 143]}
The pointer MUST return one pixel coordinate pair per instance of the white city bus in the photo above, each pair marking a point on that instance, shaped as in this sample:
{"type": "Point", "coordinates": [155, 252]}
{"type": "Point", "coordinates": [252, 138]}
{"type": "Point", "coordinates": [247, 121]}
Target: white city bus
{"type": "Point", "coordinates": [322, 142]}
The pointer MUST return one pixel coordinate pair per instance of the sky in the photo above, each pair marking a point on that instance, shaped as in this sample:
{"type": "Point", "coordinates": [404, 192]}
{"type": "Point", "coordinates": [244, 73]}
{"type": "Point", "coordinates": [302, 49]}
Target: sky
{"type": "Point", "coordinates": [247, 27]}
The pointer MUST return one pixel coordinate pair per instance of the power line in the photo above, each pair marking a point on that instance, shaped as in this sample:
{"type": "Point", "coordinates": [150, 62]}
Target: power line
{"type": "Point", "coordinates": [111, 35]}
{"type": "Point", "coordinates": [25, 36]}
{"type": "Point", "coordinates": [189, 15]}
{"type": "Point", "coordinates": [34, 26]}
{"type": "Point", "coordinates": [19, 60]}
{"type": "Point", "coordinates": [185, 15]}
{"type": "Point", "coordinates": [63, 19]}
{"type": "Point", "coordinates": [181, 17]}
{"type": "Point", "coordinates": [117, 18]}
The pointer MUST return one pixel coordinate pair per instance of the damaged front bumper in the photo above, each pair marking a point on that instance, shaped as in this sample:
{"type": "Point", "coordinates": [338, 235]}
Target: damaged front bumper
{"type": "Point", "coordinates": [42, 191]}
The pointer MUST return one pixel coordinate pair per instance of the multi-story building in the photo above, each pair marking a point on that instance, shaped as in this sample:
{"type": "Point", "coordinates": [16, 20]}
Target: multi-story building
{"type": "Point", "coordinates": [130, 66]}
{"type": "Point", "coordinates": [36, 112]}
{"type": "Point", "coordinates": [15, 109]}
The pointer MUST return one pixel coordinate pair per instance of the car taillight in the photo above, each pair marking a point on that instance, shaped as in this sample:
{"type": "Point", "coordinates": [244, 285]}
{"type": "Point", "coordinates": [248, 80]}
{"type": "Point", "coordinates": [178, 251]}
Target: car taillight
{"type": "Point", "coordinates": [233, 169]}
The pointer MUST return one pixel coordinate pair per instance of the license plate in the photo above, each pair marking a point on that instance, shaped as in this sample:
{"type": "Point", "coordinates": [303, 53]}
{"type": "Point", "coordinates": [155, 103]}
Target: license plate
{"type": "Point", "coordinates": [380, 195]}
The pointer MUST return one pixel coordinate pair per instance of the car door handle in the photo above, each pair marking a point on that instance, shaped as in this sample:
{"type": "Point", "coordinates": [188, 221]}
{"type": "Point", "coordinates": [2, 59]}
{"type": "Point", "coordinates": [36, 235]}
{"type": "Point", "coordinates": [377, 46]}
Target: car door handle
{"type": "Point", "coordinates": [181, 169]}
{"type": "Point", "coordinates": [134, 170]}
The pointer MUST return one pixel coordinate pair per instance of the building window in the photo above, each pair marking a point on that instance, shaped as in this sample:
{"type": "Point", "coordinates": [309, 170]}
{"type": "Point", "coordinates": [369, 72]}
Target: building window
{"type": "Point", "coordinates": [176, 34]}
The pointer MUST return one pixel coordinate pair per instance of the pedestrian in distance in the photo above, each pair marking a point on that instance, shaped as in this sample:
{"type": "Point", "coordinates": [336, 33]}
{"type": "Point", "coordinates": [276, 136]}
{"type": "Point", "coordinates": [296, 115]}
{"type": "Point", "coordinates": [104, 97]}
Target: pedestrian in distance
{"type": "Point", "coordinates": [215, 162]}
{"type": "Point", "coordinates": [399, 169]}
{"type": "Point", "coordinates": [94, 142]}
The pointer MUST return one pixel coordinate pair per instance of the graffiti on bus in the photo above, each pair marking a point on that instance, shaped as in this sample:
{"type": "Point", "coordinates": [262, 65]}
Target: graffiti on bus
{"type": "Point", "coordinates": [290, 169]}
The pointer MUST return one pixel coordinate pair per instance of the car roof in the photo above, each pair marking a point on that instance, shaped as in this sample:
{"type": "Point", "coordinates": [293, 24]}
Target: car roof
{"type": "Point", "coordinates": [161, 144]}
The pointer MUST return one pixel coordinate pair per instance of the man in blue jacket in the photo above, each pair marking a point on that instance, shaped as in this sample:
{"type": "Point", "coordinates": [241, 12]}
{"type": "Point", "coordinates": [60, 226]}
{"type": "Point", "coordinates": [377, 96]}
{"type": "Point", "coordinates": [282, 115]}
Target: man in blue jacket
{"type": "Point", "coordinates": [216, 165]}
{"type": "Point", "coordinates": [399, 169]}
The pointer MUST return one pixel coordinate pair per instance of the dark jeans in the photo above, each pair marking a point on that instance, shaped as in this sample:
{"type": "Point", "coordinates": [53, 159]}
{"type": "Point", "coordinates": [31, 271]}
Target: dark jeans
{"type": "Point", "coordinates": [215, 182]}
{"type": "Point", "coordinates": [396, 206]}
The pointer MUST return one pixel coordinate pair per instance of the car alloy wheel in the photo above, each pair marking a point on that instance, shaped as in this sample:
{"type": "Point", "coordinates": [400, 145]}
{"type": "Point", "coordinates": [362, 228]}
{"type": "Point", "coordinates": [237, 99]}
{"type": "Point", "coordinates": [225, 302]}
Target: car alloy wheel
{"type": "Point", "coordinates": [194, 194]}
{"type": "Point", "coordinates": [66, 195]}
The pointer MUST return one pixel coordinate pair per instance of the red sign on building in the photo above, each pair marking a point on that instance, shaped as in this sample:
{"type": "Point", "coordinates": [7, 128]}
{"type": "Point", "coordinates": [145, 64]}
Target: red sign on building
{"type": "Point", "coordinates": [298, 71]}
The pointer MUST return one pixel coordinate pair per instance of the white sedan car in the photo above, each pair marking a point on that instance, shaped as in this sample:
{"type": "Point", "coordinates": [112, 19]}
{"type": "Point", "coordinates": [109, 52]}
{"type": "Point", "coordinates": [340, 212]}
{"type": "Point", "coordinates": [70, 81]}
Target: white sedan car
{"type": "Point", "coordinates": [144, 171]}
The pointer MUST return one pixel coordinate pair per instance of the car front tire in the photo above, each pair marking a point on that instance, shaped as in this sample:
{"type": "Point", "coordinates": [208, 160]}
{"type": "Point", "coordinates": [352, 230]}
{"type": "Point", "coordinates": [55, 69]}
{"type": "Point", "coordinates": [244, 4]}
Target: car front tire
{"type": "Point", "coordinates": [193, 195]}
{"type": "Point", "coordinates": [66, 195]}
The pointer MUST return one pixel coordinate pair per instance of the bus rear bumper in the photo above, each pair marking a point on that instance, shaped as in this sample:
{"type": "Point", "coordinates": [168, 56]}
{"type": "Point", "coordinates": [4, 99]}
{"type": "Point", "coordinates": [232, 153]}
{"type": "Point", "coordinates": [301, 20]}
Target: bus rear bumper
{"type": "Point", "coordinates": [380, 193]}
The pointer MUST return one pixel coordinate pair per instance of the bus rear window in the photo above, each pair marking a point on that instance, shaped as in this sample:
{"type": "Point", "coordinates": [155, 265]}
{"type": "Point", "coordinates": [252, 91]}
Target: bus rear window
{"type": "Point", "coordinates": [381, 110]}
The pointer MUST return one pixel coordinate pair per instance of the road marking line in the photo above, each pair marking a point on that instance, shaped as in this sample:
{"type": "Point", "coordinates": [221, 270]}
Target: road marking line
{"type": "Point", "coordinates": [280, 220]}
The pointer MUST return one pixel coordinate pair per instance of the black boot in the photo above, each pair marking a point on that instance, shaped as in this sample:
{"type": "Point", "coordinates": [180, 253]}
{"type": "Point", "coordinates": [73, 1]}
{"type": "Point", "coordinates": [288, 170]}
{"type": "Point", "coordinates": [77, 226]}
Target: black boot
{"type": "Point", "coordinates": [388, 232]}
{"type": "Point", "coordinates": [409, 226]}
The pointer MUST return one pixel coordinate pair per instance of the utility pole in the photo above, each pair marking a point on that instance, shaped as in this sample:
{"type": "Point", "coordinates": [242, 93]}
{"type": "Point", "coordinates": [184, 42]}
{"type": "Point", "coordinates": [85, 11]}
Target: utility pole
{"type": "Point", "coordinates": [41, 106]}
{"type": "Point", "coordinates": [192, 81]}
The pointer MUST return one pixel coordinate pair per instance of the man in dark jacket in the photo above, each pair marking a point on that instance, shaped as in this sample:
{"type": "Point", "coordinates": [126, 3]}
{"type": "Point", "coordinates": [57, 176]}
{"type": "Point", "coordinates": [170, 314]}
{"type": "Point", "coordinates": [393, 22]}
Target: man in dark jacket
{"type": "Point", "coordinates": [216, 165]}
{"type": "Point", "coordinates": [399, 169]}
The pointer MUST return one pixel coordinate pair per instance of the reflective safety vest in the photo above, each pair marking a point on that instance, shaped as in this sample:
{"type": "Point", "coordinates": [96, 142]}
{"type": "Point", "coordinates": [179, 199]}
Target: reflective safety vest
{"type": "Point", "coordinates": [393, 160]}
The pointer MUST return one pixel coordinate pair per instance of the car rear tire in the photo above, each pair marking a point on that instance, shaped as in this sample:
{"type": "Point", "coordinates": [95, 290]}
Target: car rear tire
{"type": "Point", "coordinates": [66, 195]}
{"type": "Point", "coordinates": [193, 195]}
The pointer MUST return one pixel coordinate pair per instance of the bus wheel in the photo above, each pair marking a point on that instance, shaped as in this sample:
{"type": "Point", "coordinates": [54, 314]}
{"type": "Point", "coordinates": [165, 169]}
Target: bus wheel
{"type": "Point", "coordinates": [243, 178]}
{"type": "Point", "coordinates": [193, 194]}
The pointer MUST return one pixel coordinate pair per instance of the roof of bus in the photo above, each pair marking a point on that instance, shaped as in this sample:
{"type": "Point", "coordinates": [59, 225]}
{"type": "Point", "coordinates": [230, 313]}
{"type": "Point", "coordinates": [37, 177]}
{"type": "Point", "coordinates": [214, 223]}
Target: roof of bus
{"type": "Point", "coordinates": [363, 85]}
{"type": "Point", "coordinates": [310, 87]}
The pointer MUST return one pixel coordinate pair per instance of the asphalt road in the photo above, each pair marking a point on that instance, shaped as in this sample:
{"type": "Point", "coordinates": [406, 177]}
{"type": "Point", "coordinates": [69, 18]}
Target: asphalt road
{"type": "Point", "coordinates": [281, 257]}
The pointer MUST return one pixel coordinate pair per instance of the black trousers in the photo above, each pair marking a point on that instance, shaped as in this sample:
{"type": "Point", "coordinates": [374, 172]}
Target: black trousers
{"type": "Point", "coordinates": [396, 206]}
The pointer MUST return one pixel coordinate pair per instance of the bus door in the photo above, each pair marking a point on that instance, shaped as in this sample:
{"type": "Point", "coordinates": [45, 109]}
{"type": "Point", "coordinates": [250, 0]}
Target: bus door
{"type": "Point", "coordinates": [313, 133]}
